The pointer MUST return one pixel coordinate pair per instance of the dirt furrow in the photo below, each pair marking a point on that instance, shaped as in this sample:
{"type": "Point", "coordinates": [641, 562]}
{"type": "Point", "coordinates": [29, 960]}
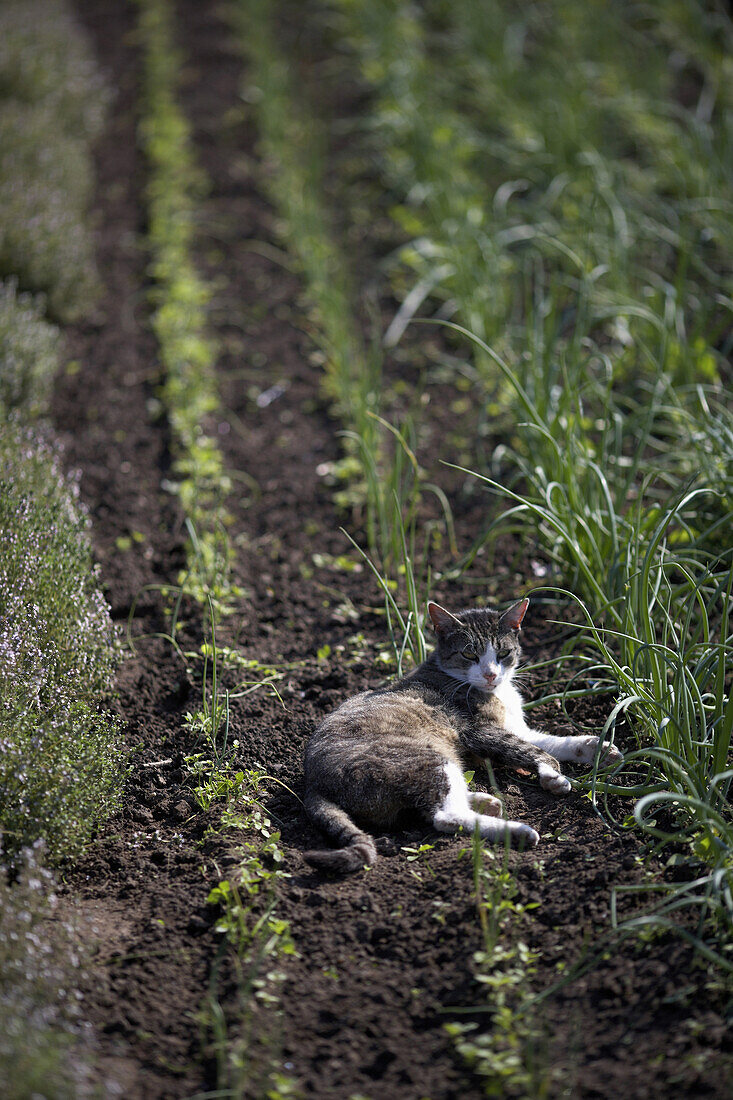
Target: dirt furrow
{"type": "Point", "coordinates": [141, 882]}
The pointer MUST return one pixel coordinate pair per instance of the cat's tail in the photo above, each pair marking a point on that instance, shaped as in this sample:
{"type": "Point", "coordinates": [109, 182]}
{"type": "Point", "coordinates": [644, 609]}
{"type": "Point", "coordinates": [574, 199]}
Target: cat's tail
{"type": "Point", "coordinates": [356, 849]}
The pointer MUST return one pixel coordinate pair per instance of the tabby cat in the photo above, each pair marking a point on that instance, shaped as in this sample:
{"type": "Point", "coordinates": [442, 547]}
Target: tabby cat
{"type": "Point", "coordinates": [404, 747]}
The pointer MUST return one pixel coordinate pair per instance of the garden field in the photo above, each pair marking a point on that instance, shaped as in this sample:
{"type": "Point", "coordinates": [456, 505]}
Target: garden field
{"type": "Point", "coordinates": [310, 311]}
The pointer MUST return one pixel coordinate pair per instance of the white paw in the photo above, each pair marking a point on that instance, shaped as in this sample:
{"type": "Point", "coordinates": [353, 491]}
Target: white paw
{"type": "Point", "coordinates": [518, 834]}
{"type": "Point", "coordinates": [523, 836]}
{"type": "Point", "coordinates": [552, 781]}
{"type": "Point", "coordinates": [586, 748]}
{"type": "Point", "coordinates": [485, 803]}
{"type": "Point", "coordinates": [610, 754]}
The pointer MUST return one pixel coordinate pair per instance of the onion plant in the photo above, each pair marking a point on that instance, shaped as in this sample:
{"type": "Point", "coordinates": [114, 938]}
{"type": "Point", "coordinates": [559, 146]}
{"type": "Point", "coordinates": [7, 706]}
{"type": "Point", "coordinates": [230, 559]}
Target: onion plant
{"type": "Point", "coordinates": [520, 132]}
{"type": "Point", "coordinates": [292, 142]}
{"type": "Point", "coordinates": [379, 457]}
{"type": "Point", "coordinates": [641, 550]}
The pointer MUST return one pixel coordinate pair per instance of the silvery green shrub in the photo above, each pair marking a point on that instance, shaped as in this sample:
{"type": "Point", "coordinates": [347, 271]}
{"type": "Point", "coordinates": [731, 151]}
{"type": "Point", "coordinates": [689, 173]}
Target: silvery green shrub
{"type": "Point", "coordinates": [45, 187]}
{"type": "Point", "coordinates": [61, 760]}
{"type": "Point", "coordinates": [42, 1037]}
{"type": "Point", "coordinates": [29, 353]}
{"type": "Point", "coordinates": [45, 58]}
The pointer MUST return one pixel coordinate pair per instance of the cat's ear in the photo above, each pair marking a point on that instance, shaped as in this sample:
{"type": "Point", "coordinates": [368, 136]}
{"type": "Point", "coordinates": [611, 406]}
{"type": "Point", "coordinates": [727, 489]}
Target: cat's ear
{"type": "Point", "coordinates": [512, 619]}
{"type": "Point", "coordinates": [441, 619]}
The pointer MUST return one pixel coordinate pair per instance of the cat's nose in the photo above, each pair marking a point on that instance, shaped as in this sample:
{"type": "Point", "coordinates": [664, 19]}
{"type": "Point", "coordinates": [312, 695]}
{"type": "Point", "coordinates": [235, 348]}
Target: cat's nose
{"type": "Point", "coordinates": [489, 677]}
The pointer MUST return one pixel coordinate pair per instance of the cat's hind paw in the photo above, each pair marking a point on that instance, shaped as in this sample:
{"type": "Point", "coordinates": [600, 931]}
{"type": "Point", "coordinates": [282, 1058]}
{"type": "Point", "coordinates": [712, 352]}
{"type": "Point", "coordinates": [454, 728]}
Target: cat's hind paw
{"type": "Point", "coordinates": [522, 836]}
{"type": "Point", "coordinates": [485, 803]}
{"type": "Point", "coordinates": [587, 747]}
{"type": "Point", "coordinates": [498, 830]}
{"type": "Point", "coordinates": [553, 781]}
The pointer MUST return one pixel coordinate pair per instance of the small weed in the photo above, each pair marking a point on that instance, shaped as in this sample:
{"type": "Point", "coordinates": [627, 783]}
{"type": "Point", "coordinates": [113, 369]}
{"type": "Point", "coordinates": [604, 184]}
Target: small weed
{"type": "Point", "coordinates": [507, 1054]}
{"type": "Point", "coordinates": [415, 853]}
{"type": "Point", "coordinates": [258, 939]}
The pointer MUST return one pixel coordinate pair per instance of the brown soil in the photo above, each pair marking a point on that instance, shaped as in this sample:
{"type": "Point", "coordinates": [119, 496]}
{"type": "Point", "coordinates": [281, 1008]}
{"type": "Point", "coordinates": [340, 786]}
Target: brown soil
{"type": "Point", "coordinates": [384, 956]}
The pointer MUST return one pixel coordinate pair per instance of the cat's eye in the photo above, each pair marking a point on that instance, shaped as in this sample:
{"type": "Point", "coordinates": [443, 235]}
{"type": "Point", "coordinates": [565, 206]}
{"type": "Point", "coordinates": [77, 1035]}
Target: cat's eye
{"type": "Point", "coordinates": [469, 653]}
{"type": "Point", "coordinates": [503, 653]}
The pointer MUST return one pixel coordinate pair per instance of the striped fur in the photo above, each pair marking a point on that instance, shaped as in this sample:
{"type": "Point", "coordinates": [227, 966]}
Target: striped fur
{"type": "Point", "coordinates": [403, 748]}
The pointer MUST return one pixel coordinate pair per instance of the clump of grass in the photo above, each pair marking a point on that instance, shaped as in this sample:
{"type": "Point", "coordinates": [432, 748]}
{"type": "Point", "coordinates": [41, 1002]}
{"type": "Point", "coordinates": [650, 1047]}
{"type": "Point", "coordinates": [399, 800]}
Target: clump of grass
{"type": "Point", "coordinates": [42, 1037]}
{"type": "Point", "coordinates": [640, 549]}
{"type": "Point", "coordinates": [379, 467]}
{"type": "Point", "coordinates": [188, 390]}
{"type": "Point", "coordinates": [670, 671]}
{"type": "Point", "coordinates": [516, 141]}
{"type": "Point", "coordinates": [29, 353]}
{"type": "Point", "coordinates": [403, 540]}
{"type": "Point", "coordinates": [61, 765]}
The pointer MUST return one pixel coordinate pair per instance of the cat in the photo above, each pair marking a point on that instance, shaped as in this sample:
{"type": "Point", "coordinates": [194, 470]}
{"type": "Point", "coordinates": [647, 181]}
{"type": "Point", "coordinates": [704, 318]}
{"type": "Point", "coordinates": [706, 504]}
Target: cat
{"type": "Point", "coordinates": [404, 747]}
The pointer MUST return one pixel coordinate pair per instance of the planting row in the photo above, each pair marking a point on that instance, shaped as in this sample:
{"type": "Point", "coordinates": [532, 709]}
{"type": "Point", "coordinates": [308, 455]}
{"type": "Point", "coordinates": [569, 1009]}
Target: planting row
{"type": "Point", "coordinates": [61, 767]}
{"type": "Point", "coordinates": [254, 937]}
{"type": "Point", "coordinates": [62, 764]}
{"type": "Point", "coordinates": [188, 390]}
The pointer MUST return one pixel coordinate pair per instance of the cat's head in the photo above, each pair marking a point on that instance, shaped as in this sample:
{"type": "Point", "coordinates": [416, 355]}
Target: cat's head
{"type": "Point", "coordinates": [478, 647]}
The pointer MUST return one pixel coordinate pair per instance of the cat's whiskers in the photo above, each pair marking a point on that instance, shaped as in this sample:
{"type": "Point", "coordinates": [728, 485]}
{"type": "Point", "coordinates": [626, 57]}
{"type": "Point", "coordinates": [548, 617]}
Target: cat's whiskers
{"type": "Point", "coordinates": [456, 689]}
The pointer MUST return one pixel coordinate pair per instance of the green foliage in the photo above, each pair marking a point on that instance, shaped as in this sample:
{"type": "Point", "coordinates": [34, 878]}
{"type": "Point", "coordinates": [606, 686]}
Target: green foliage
{"type": "Point", "coordinates": [29, 354]}
{"type": "Point", "coordinates": [189, 390]}
{"type": "Point", "coordinates": [560, 175]}
{"type": "Point", "coordinates": [61, 764]}
{"type": "Point", "coordinates": [402, 541]}
{"type": "Point", "coordinates": [650, 569]}
{"type": "Point", "coordinates": [378, 474]}
{"type": "Point", "coordinates": [258, 940]}
{"type": "Point", "coordinates": [259, 867]}
{"type": "Point", "coordinates": [256, 937]}
{"type": "Point", "coordinates": [41, 1048]}
{"type": "Point", "coordinates": [527, 141]}
{"type": "Point", "coordinates": [293, 143]}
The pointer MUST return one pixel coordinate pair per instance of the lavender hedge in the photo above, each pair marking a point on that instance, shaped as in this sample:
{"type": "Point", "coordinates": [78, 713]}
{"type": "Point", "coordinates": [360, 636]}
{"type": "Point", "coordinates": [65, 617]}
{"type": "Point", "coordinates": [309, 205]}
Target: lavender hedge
{"type": "Point", "coordinates": [29, 353]}
{"type": "Point", "coordinates": [45, 58]}
{"type": "Point", "coordinates": [61, 758]}
{"type": "Point", "coordinates": [53, 102]}
{"type": "Point", "coordinates": [44, 1044]}
{"type": "Point", "coordinates": [45, 187]}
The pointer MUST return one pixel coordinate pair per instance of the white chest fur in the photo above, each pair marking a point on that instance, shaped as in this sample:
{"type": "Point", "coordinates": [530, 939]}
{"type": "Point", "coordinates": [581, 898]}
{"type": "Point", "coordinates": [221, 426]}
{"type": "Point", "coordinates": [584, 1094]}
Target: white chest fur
{"type": "Point", "coordinates": [511, 700]}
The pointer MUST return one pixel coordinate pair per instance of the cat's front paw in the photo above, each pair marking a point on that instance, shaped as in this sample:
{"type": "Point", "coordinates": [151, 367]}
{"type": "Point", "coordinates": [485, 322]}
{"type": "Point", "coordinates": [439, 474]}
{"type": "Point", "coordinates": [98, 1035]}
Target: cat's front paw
{"type": "Point", "coordinates": [485, 803]}
{"type": "Point", "coordinates": [587, 747]}
{"type": "Point", "coordinates": [553, 781]}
